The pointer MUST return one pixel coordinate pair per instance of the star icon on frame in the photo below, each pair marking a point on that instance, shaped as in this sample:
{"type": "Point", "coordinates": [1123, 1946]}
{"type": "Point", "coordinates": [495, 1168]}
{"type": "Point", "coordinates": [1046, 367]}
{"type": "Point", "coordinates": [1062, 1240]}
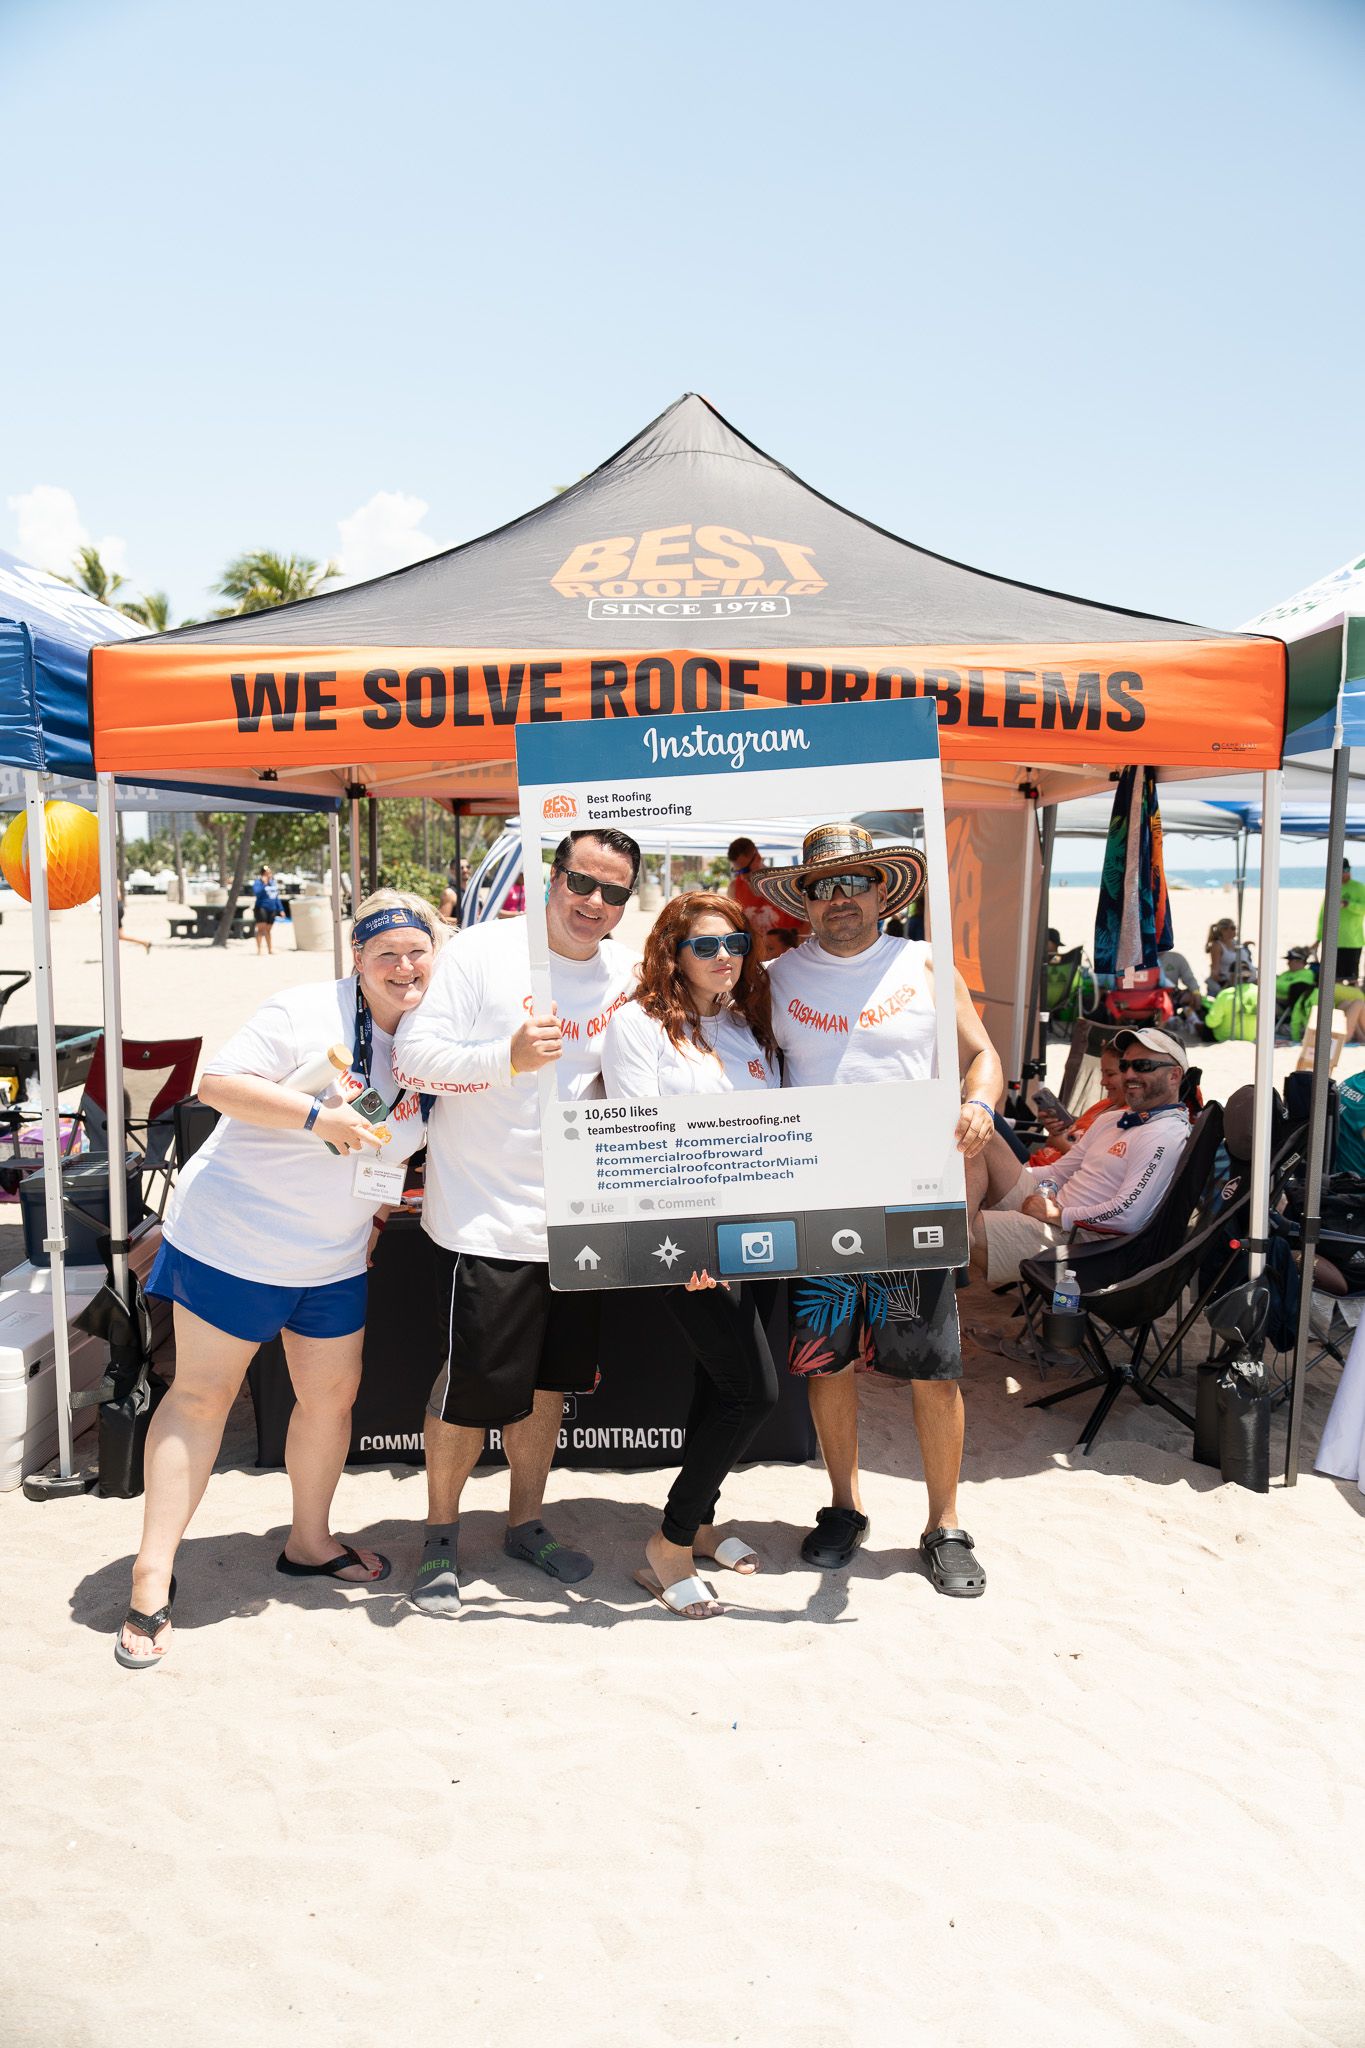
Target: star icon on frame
{"type": "Point", "coordinates": [669, 1253]}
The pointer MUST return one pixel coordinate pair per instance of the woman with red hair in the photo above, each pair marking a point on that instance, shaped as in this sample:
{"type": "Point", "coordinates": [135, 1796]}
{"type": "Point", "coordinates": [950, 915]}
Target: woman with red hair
{"type": "Point", "coordinates": [699, 1024]}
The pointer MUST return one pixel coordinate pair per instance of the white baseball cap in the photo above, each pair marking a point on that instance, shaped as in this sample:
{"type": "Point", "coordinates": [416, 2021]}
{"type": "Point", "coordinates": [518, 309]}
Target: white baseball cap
{"type": "Point", "coordinates": [1155, 1041]}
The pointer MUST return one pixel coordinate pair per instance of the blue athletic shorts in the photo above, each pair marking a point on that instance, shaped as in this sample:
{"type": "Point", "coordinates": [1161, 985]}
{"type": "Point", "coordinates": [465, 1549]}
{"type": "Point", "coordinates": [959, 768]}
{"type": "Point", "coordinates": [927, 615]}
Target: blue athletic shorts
{"type": "Point", "coordinates": [251, 1310]}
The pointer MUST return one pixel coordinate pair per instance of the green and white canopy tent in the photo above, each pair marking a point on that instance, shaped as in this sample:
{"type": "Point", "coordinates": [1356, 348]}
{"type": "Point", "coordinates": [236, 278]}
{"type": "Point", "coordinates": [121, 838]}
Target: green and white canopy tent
{"type": "Point", "coordinates": [1323, 628]}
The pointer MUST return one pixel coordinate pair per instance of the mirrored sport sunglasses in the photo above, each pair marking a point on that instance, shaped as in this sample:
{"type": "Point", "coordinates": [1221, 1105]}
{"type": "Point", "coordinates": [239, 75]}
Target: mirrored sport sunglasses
{"type": "Point", "coordinates": [613, 893]}
{"type": "Point", "coordinates": [710, 943]}
{"type": "Point", "coordinates": [1144, 1066]}
{"type": "Point", "coordinates": [824, 886]}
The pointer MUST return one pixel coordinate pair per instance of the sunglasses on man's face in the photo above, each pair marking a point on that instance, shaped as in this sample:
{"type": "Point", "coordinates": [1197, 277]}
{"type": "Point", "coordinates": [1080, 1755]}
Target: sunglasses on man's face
{"type": "Point", "coordinates": [613, 893]}
{"type": "Point", "coordinates": [710, 943]}
{"type": "Point", "coordinates": [823, 887]}
{"type": "Point", "coordinates": [1143, 1066]}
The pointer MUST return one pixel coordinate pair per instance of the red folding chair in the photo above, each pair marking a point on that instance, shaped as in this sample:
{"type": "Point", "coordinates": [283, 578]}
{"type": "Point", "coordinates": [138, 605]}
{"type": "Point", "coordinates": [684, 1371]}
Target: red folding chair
{"type": "Point", "coordinates": [157, 1073]}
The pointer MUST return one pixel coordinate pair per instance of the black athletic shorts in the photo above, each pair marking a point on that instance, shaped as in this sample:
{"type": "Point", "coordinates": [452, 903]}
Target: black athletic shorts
{"type": "Point", "coordinates": [264, 916]}
{"type": "Point", "coordinates": [506, 1334]}
{"type": "Point", "coordinates": [901, 1324]}
{"type": "Point", "coordinates": [1348, 963]}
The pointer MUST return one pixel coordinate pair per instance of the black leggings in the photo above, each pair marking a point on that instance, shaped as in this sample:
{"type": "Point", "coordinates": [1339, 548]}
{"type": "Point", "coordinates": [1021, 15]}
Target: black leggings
{"type": "Point", "coordinates": [736, 1387]}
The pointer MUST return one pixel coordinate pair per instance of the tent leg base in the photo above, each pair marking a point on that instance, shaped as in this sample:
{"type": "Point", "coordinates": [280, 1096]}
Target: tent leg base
{"type": "Point", "coordinates": [53, 1486]}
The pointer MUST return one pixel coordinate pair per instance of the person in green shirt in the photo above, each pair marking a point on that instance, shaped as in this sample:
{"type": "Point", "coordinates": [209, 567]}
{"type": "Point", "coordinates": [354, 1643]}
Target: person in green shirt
{"type": "Point", "coordinates": [1351, 930]}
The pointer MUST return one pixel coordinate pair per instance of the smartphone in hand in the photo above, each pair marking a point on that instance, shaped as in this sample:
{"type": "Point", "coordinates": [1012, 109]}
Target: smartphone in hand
{"type": "Point", "coordinates": [1047, 1104]}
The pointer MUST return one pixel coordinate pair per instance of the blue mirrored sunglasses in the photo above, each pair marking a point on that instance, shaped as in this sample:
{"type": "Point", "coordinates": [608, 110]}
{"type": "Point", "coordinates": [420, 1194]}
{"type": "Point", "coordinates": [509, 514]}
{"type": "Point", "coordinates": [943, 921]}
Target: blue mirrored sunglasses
{"type": "Point", "coordinates": [709, 945]}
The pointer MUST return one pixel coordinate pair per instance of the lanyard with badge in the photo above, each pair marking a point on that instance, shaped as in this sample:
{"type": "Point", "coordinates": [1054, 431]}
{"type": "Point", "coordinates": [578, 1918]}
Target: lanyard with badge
{"type": "Point", "coordinates": [372, 1180]}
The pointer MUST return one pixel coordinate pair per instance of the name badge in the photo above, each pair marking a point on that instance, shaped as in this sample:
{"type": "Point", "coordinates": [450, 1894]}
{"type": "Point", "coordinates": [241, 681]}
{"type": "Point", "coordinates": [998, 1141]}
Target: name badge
{"type": "Point", "coordinates": [373, 1181]}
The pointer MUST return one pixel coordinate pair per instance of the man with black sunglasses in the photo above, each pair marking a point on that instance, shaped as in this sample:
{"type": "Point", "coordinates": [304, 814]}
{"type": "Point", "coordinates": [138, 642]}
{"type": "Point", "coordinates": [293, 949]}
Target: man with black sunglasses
{"type": "Point", "coordinates": [513, 1348]}
{"type": "Point", "coordinates": [854, 1004]}
{"type": "Point", "coordinates": [1110, 1183]}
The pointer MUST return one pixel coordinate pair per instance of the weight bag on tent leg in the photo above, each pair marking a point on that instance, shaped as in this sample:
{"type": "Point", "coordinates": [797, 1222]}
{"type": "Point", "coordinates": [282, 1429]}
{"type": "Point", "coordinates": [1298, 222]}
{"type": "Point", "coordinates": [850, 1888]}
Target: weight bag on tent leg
{"type": "Point", "coordinates": [1244, 1424]}
{"type": "Point", "coordinates": [1206, 1424]}
{"type": "Point", "coordinates": [130, 1389]}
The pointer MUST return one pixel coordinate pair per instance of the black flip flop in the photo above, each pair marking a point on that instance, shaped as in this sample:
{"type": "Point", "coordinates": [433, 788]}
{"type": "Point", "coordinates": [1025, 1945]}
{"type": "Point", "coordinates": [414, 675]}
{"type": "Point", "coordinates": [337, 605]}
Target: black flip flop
{"type": "Point", "coordinates": [837, 1534]}
{"type": "Point", "coordinates": [143, 1625]}
{"type": "Point", "coordinates": [953, 1564]}
{"type": "Point", "coordinates": [334, 1567]}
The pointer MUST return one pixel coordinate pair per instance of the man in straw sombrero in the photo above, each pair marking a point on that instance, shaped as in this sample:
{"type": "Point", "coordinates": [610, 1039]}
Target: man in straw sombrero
{"type": "Point", "coordinates": [855, 1005]}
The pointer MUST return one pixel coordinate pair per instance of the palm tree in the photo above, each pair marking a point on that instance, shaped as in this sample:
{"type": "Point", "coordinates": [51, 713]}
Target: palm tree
{"type": "Point", "coordinates": [259, 580]}
{"type": "Point", "coordinates": [152, 611]}
{"type": "Point", "coordinates": [92, 576]}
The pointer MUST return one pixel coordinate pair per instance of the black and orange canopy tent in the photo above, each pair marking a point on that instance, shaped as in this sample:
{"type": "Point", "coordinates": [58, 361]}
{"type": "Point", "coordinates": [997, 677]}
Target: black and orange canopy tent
{"type": "Point", "coordinates": [690, 572]}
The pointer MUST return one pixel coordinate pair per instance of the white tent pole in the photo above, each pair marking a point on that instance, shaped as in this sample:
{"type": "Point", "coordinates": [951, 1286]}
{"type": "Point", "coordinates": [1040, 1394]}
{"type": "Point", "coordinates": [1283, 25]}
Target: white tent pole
{"type": "Point", "coordinates": [106, 803]}
{"type": "Point", "coordinates": [1268, 949]}
{"type": "Point", "coordinates": [55, 1241]}
{"type": "Point", "coordinates": [1024, 958]}
{"type": "Point", "coordinates": [334, 864]}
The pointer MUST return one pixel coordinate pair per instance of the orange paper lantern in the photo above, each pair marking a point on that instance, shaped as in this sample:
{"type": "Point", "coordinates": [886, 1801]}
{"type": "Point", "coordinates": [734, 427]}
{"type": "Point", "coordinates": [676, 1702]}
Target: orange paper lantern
{"type": "Point", "coordinates": [73, 855]}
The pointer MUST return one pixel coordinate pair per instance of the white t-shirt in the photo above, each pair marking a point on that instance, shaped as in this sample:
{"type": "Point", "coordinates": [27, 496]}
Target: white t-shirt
{"type": "Point", "coordinates": [277, 1206]}
{"type": "Point", "coordinates": [485, 1182]}
{"type": "Point", "coordinates": [640, 1063]}
{"type": "Point", "coordinates": [866, 1017]}
{"type": "Point", "coordinates": [1111, 1181]}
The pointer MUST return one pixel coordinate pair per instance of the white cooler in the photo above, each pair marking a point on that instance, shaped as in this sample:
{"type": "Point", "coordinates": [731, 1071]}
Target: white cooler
{"type": "Point", "coordinates": [28, 1403]}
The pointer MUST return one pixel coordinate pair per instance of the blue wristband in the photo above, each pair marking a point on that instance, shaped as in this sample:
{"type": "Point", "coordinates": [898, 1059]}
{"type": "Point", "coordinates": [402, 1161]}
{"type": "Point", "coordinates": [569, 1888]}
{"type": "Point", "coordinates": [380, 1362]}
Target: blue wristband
{"type": "Point", "coordinates": [975, 1102]}
{"type": "Point", "coordinates": [312, 1116]}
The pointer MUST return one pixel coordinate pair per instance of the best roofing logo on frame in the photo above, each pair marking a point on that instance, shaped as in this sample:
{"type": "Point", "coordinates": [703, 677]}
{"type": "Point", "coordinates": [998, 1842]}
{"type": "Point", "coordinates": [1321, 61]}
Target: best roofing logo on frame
{"type": "Point", "coordinates": [688, 572]}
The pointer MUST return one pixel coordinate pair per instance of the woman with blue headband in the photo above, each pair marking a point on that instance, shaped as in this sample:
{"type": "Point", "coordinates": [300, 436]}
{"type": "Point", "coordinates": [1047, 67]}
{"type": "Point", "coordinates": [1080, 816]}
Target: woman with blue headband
{"type": "Point", "coordinates": [269, 1232]}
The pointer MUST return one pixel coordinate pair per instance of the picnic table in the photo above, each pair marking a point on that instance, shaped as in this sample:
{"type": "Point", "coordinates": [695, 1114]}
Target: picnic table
{"type": "Point", "coordinates": [201, 920]}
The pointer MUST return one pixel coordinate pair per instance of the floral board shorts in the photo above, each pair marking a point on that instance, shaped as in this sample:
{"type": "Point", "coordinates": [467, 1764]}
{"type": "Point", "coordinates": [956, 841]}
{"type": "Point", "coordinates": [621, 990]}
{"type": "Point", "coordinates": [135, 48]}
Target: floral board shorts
{"type": "Point", "coordinates": [901, 1324]}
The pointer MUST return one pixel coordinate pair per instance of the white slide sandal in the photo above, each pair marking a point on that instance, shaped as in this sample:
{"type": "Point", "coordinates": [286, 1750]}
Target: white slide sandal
{"type": "Point", "coordinates": [693, 1592]}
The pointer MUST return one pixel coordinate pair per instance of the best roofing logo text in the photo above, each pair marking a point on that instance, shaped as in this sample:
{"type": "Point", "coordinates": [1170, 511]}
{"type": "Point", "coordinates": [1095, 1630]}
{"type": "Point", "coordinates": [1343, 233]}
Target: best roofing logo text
{"type": "Point", "coordinates": [688, 572]}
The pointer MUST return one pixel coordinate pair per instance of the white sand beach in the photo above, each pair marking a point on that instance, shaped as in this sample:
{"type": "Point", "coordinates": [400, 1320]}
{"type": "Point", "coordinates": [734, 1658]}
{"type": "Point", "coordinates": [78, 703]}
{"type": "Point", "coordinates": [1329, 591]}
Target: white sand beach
{"type": "Point", "coordinates": [1120, 1800]}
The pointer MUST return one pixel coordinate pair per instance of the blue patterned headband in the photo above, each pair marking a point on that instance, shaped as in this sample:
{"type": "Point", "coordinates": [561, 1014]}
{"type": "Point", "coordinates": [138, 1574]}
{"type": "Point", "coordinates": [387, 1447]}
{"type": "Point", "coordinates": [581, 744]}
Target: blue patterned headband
{"type": "Point", "coordinates": [385, 920]}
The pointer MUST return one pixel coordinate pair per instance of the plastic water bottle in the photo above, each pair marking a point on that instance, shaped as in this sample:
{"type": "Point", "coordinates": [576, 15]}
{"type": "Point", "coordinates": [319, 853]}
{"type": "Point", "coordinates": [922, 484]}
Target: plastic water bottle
{"type": "Point", "coordinates": [1050, 1188]}
{"type": "Point", "coordinates": [1066, 1293]}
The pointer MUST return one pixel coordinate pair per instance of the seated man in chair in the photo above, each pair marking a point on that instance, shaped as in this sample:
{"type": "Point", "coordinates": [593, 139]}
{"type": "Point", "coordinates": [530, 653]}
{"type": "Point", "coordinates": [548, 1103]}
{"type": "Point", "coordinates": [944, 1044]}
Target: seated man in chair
{"type": "Point", "coordinates": [1109, 1183]}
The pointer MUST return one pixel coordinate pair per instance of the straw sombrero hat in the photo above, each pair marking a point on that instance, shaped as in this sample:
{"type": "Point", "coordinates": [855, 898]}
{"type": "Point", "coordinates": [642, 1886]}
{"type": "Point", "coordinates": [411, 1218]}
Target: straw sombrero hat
{"type": "Point", "coordinates": [829, 850]}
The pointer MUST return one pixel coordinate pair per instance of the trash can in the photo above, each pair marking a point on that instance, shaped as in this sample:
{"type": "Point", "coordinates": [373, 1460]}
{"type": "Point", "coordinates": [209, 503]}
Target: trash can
{"type": "Point", "coordinates": [312, 919]}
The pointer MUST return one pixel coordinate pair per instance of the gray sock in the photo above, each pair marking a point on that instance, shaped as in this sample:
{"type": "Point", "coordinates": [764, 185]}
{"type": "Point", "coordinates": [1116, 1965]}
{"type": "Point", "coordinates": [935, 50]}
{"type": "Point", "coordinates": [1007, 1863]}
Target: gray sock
{"type": "Point", "coordinates": [436, 1589]}
{"type": "Point", "coordinates": [533, 1544]}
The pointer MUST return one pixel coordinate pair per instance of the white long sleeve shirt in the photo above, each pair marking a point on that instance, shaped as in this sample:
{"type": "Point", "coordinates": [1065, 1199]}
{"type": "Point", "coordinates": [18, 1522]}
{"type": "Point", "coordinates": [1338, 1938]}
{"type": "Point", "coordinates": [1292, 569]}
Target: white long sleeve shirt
{"type": "Point", "coordinates": [485, 1179]}
{"type": "Point", "coordinates": [1112, 1181]}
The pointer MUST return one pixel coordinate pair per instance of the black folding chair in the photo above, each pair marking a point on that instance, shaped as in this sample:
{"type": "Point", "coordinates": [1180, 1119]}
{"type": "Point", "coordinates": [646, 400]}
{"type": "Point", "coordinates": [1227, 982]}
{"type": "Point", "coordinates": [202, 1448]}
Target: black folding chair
{"type": "Point", "coordinates": [1128, 1284]}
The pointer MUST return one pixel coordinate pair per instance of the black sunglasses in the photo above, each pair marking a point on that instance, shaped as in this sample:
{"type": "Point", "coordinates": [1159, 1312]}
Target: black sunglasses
{"type": "Point", "coordinates": [1144, 1066]}
{"type": "Point", "coordinates": [583, 885]}
{"type": "Point", "coordinates": [824, 886]}
{"type": "Point", "coordinates": [710, 943]}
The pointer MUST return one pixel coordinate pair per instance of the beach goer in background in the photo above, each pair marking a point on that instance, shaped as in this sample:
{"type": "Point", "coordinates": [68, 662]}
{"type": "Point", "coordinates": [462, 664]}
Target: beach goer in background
{"type": "Point", "coordinates": [514, 1348]}
{"type": "Point", "coordinates": [268, 906]}
{"type": "Point", "coordinates": [270, 1232]}
{"type": "Point", "coordinates": [1230, 962]}
{"type": "Point", "coordinates": [761, 916]}
{"type": "Point", "coordinates": [1180, 978]}
{"type": "Point", "coordinates": [901, 1324]}
{"type": "Point", "coordinates": [451, 905]}
{"type": "Point", "coordinates": [700, 1024]}
{"type": "Point", "coordinates": [514, 902]}
{"type": "Point", "coordinates": [126, 938]}
{"type": "Point", "coordinates": [1064, 1135]}
{"type": "Point", "coordinates": [1350, 927]}
{"type": "Point", "coordinates": [1109, 1184]}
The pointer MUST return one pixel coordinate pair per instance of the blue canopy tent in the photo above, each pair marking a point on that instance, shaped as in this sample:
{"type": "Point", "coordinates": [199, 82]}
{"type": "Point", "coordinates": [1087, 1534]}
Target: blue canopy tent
{"type": "Point", "coordinates": [47, 629]}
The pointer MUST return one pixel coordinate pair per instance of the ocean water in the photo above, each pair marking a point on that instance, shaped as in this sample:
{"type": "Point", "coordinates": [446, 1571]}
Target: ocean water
{"type": "Point", "coordinates": [1189, 877]}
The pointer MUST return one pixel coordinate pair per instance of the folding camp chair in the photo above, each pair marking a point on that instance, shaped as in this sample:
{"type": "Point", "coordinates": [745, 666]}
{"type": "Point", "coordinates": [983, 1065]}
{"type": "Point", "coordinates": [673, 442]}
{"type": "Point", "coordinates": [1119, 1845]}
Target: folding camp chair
{"type": "Point", "coordinates": [157, 1073]}
{"type": "Point", "coordinates": [1128, 1284]}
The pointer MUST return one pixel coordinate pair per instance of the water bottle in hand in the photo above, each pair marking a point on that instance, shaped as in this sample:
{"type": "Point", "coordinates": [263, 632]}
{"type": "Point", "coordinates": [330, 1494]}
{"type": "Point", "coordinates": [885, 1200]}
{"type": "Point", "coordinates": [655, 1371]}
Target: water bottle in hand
{"type": "Point", "coordinates": [1050, 1188]}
